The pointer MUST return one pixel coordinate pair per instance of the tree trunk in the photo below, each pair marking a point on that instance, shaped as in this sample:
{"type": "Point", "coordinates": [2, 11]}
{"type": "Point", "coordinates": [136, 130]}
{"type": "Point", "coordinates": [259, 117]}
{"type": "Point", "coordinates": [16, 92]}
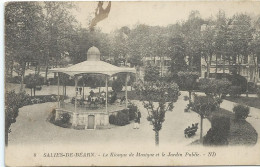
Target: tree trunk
{"type": "Point", "coordinates": [201, 129]}
{"type": "Point", "coordinates": [189, 97]}
{"type": "Point", "coordinates": [6, 137]}
{"type": "Point", "coordinates": [208, 69]}
{"type": "Point", "coordinates": [34, 91]}
{"type": "Point", "coordinates": [22, 79]}
{"type": "Point", "coordinates": [83, 89]}
{"type": "Point", "coordinates": [12, 69]}
{"type": "Point", "coordinates": [38, 68]}
{"type": "Point", "coordinates": [31, 92]}
{"type": "Point", "coordinates": [224, 65]}
{"type": "Point", "coordinates": [157, 138]}
{"type": "Point", "coordinates": [216, 70]}
{"type": "Point", "coordinates": [46, 73]}
{"type": "Point", "coordinates": [65, 89]}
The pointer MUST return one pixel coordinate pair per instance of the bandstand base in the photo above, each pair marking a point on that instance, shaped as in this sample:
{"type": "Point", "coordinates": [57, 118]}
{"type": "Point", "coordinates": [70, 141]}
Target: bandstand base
{"type": "Point", "coordinates": [88, 119]}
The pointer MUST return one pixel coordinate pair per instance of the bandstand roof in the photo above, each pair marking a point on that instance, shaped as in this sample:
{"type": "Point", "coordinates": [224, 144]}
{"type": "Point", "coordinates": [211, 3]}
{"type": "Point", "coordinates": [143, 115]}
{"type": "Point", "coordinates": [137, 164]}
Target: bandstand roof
{"type": "Point", "coordinates": [93, 65]}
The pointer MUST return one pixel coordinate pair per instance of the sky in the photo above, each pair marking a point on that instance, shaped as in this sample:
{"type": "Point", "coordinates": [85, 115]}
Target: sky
{"type": "Point", "coordinates": [159, 13]}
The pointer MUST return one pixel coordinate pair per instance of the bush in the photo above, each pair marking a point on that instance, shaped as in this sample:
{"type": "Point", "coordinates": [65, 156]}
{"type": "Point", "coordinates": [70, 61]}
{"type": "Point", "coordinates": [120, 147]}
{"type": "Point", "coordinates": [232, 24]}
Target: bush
{"type": "Point", "coordinates": [258, 92]}
{"type": "Point", "coordinates": [238, 80]}
{"type": "Point", "coordinates": [151, 73]}
{"type": "Point", "coordinates": [112, 119]}
{"type": "Point", "coordinates": [219, 131]}
{"type": "Point", "coordinates": [15, 79]}
{"type": "Point", "coordinates": [132, 111]}
{"type": "Point", "coordinates": [252, 87]}
{"type": "Point", "coordinates": [64, 120]}
{"type": "Point", "coordinates": [235, 91]}
{"type": "Point", "coordinates": [215, 87]}
{"type": "Point", "coordinates": [241, 112]}
{"type": "Point", "coordinates": [121, 118]}
{"type": "Point", "coordinates": [117, 85]}
{"type": "Point", "coordinates": [187, 80]}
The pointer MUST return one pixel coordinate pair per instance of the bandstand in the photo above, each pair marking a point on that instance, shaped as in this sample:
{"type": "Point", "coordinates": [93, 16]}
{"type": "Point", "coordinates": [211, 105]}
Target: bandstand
{"type": "Point", "coordinates": [80, 113]}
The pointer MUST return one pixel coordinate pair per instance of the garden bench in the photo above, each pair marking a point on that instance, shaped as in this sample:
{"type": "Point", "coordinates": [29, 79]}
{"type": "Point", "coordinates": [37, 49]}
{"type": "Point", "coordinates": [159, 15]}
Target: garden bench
{"type": "Point", "coordinates": [190, 131]}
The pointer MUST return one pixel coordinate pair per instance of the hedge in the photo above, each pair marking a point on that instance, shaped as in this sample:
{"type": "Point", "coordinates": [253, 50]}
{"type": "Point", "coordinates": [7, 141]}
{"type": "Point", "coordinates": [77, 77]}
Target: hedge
{"type": "Point", "coordinates": [121, 118]}
{"type": "Point", "coordinates": [241, 112]}
{"type": "Point", "coordinates": [219, 131]}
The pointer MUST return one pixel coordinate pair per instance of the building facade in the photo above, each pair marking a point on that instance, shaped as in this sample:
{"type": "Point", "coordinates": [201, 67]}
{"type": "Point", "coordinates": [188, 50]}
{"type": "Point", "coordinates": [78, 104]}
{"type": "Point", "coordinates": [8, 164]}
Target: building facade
{"type": "Point", "coordinates": [248, 67]}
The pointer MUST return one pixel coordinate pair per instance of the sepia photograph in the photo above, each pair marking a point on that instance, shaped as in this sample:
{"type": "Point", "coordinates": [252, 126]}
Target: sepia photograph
{"type": "Point", "coordinates": [131, 83]}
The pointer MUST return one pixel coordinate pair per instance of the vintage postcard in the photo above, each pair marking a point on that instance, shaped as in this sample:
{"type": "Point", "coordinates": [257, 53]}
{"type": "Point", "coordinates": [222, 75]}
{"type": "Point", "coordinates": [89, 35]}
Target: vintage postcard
{"type": "Point", "coordinates": [110, 83]}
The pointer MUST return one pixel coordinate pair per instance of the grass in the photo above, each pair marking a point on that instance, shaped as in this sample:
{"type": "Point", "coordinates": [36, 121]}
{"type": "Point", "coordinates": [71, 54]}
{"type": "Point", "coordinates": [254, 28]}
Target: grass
{"type": "Point", "coordinates": [241, 132]}
{"type": "Point", "coordinates": [249, 101]}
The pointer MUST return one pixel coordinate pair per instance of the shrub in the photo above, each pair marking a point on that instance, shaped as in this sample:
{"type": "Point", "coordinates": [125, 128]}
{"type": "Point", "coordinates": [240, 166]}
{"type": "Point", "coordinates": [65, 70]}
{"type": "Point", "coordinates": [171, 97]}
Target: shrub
{"type": "Point", "coordinates": [241, 112]}
{"type": "Point", "coordinates": [258, 92]}
{"type": "Point", "coordinates": [112, 119]}
{"type": "Point", "coordinates": [215, 87]}
{"type": "Point", "coordinates": [15, 79]}
{"type": "Point", "coordinates": [132, 111]}
{"type": "Point", "coordinates": [122, 119]}
{"type": "Point", "coordinates": [117, 85]}
{"type": "Point", "coordinates": [13, 101]}
{"type": "Point", "coordinates": [65, 117]}
{"type": "Point", "coordinates": [235, 91]}
{"type": "Point", "coordinates": [64, 120]}
{"type": "Point", "coordinates": [207, 85]}
{"type": "Point", "coordinates": [238, 80]}
{"type": "Point", "coordinates": [187, 80]}
{"type": "Point", "coordinates": [221, 123]}
{"type": "Point", "coordinates": [252, 87]}
{"type": "Point", "coordinates": [151, 73]}
{"type": "Point", "coordinates": [218, 133]}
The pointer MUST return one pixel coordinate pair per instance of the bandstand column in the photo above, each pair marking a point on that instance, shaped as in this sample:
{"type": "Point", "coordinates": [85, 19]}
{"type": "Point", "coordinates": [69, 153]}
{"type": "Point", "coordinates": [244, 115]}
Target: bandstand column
{"type": "Point", "coordinates": [76, 85]}
{"type": "Point", "coordinates": [126, 90]}
{"type": "Point", "coordinates": [58, 91]}
{"type": "Point", "coordinates": [106, 94]}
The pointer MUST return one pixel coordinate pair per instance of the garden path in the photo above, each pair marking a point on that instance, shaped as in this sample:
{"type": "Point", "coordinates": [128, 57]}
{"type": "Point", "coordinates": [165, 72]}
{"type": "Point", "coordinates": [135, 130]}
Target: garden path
{"type": "Point", "coordinates": [31, 128]}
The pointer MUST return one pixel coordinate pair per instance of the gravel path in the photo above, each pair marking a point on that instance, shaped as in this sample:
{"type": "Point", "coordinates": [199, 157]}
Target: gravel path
{"type": "Point", "coordinates": [31, 127]}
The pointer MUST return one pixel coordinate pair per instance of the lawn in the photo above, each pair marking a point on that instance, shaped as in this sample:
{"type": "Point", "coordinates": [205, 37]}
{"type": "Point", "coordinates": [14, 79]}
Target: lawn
{"type": "Point", "coordinates": [250, 101]}
{"type": "Point", "coordinates": [241, 132]}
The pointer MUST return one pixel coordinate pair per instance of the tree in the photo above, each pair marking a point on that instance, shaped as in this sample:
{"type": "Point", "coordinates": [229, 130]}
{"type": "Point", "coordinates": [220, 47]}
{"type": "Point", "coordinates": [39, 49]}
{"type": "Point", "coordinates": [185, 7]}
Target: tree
{"type": "Point", "coordinates": [164, 94]}
{"type": "Point", "coordinates": [177, 55]}
{"type": "Point", "coordinates": [151, 73]}
{"type": "Point", "coordinates": [59, 25]}
{"type": "Point", "coordinates": [204, 105]}
{"type": "Point", "coordinates": [191, 30]}
{"type": "Point", "coordinates": [117, 85]}
{"type": "Point", "coordinates": [23, 22]}
{"type": "Point", "coordinates": [215, 87]}
{"type": "Point", "coordinates": [208, 44]}
{"type": "Point", "coordinates": [241, 37]}
{"type": "Point", "coordinates": [187, 80]}
{"type": "Point", "coordinates": [33, 80]}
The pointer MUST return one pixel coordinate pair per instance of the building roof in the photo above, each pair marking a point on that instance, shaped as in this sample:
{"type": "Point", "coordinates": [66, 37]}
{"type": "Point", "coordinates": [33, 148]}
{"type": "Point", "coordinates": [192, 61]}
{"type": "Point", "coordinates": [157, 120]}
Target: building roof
{"type": "Point", "coordinates": [93, 65]}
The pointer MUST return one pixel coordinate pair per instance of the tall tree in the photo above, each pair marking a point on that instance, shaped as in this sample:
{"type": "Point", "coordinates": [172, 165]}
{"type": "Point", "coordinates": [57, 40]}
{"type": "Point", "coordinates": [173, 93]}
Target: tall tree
{"type": "Point", "coordinates": [191, 30]}
{"type": "Point", "coordinates": [207, 49]}
{"type": "Point", "coordinates": [59, 25]}
{"type": "Point", "coordinates": [23, 27]}
{"type": "Point", "coordinates": [241, 37]}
